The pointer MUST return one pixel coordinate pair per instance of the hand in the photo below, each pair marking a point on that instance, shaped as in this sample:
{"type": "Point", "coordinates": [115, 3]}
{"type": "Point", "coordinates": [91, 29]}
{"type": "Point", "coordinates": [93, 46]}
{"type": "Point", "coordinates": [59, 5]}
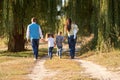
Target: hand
{"type": "Point", "coordinates": [42, 40]}
{"type": "Point", "coordinates": [28, 40]}
{"type": "Point", "coordinates": [74, 36]}
{"type": "Point", "coordinates": [55, 45]}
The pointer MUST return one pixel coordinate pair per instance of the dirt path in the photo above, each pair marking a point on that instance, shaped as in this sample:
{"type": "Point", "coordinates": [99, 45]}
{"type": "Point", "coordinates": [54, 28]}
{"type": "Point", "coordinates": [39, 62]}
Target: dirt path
{"type": "Point", "coordinates": [39, 72]}
{"type": "Point", "coordinates": [98, 71]}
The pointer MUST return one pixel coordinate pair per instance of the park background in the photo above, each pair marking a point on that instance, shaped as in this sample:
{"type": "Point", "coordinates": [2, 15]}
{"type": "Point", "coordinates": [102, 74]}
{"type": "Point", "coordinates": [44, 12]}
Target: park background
{"type": "Point", "coordinates": [98, 22]}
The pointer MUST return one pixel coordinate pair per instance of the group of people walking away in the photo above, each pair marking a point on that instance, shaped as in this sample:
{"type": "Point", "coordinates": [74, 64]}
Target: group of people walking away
{"type": "Point", "coordinates": [34, 33]}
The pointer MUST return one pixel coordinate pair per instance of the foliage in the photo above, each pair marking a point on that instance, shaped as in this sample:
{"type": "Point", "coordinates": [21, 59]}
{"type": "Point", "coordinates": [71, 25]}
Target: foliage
{"type": "Point", "coordinates": [100, 17]}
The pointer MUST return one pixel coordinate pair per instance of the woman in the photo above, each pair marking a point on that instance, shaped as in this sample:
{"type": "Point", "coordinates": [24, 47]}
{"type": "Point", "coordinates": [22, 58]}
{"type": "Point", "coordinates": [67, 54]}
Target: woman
{"type": "Point", "coordinates": [72, 30]}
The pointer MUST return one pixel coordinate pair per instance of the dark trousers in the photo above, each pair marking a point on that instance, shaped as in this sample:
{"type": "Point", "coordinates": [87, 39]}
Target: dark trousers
{"type": "Point", "coordinates": [35, 44]}
{"type": "Point", "coordinates": [72, 43]}
{"type": "Point", "coordinates": [50, 52]}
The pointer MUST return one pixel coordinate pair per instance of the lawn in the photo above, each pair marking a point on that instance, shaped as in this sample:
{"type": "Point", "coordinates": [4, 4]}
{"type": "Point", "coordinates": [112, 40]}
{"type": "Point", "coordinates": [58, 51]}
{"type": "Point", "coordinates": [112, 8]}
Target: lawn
{"type": "Point", "coordinates": [16, 66]}
{"type": "Point", "coordinates": [110, 60]}
{"type": "Point", "coordinates": [67, 69]}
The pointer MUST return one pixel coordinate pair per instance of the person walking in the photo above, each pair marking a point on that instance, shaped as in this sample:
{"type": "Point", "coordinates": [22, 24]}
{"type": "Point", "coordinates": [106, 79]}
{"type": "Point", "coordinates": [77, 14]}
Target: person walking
{"type": "Point", "coordinates": [51, 44]}
{"type": "Point", "coordinates": [34, 33]}
{"type": "Point", "coordinates": [59, 42]}
{"type": "Point", "coordinates": [71, 30]}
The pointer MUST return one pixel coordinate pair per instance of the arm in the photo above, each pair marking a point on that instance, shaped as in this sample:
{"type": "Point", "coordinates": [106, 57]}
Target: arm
{"type": "Point", "coordinates": [40, 31]}
{"type": "Point", "coordinates": [75, 30]}
{"type": "Point", "coordinates": [27, 33]}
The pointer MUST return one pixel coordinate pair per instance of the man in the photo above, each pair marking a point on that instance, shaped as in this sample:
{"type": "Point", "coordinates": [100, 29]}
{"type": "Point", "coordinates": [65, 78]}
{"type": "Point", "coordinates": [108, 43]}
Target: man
{"type": "Point", "coordinates": [34, 33]}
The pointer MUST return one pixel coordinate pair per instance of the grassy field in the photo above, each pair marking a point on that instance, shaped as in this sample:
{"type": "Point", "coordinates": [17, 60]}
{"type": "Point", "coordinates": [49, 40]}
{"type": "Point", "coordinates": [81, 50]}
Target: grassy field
{"type": "Point", "coordinates": [110, 60]}
{"type": "Point", "coordinates": [67, 69]}
{"type": "Point", "coordinates": [16, 66]}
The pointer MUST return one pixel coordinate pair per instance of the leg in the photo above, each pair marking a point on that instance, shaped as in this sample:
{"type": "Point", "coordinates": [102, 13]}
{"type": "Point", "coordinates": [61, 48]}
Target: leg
{"type": "Point", "coordinates": [35, 43]}
{"type": "Point", "coordinates": [72, 46]}
{"type": "Point", "coordinates": [60, 52]}
{"type": "Point", "coordinates": [57, 51]}
{"type": "Point", "coordinates": [50, 52]}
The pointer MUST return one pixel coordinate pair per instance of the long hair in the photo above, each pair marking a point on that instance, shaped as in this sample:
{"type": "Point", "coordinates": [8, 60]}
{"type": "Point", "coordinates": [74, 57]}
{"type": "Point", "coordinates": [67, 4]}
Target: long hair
{"type": "Point", "coordinates": [48, 35]}
{"type": "Point", "coordinates": [68, 24]}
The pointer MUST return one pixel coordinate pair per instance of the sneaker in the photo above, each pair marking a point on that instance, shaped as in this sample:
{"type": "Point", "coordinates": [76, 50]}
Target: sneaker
{"type": "Point", "coordinates": [34, 59]}
{"type": "Point", "coordinates": [72, 57]}
{"type": "Point", "coordinates": [50, 57]}
{"type": "Point", "coordinates": [60, 57]}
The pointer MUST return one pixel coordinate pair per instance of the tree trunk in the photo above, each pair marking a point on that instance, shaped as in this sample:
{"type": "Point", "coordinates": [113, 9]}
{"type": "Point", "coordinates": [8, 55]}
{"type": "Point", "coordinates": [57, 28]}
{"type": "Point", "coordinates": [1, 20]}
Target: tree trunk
{"type": "Point", "coordinates": [15, 24]}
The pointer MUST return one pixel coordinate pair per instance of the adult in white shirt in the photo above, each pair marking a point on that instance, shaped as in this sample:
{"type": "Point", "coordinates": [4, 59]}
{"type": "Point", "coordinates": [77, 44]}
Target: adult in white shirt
{"type": "Point", "coordinates": [34, 33]}
{"type": "Point", "coordinates": [72, 30]}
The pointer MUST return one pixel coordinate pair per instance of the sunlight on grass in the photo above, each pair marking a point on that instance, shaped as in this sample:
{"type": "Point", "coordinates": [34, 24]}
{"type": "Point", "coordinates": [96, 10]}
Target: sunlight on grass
{"type": "Point", "coordinates": [4, 59]}
{"type": "Point", "coordinates": [26, 54]}
{"type": "Point", "coordinates": [15, 66]}
{"type": "Point", "coordinates": [62, 64]}
{"type": "Point", "coordinates": [12, 69]}
{"type": "Point", "coordinates": [3, 42]}
{"type": "Point", "coordinates": [110, 60]}
{"type": "Point", "coordinates": [68, 69]}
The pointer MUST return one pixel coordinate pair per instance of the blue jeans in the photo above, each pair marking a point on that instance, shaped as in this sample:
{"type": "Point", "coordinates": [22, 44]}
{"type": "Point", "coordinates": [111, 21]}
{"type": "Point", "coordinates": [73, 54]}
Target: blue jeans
{"type": "Point", "coordinates": [35, 45]}
{"type": "Point", "coordinates": [72, 43]}
{"type": "Point", "coordinates": [50, 52]}
{"type": "Point", "coordinates": [59, 51]}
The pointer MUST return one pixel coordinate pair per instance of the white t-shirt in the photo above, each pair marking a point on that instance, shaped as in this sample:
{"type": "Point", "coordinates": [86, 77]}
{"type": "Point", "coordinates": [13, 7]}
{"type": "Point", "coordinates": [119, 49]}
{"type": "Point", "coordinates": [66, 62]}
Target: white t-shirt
{"type": "Point", "coordinates": [51, 42]}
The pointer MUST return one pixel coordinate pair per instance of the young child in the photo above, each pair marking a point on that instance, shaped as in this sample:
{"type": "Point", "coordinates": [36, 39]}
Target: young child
{"type": "Point", "coordinates": [59, 41]}
{"type": "Point", "coordinates": [51, 43]}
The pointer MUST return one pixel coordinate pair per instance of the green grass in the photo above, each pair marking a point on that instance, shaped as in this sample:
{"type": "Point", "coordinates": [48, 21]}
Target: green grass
{"type": "Point", "coordinates": [28, 53]}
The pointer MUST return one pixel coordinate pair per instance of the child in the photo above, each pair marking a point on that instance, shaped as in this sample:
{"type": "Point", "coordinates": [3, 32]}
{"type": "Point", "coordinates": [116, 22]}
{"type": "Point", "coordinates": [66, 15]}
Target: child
{"type": "Point", "coordinates": [59, 41]}
{"type": "Point", "coordinates": [51, 43]}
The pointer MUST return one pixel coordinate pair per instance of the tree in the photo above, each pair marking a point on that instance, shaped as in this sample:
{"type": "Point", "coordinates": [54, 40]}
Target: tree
{"type": "Point", "coordinates": [1, 18]}
{"type": "Point", "coordinates": [100, 17]}
{"type": "Point", "coordinates": [17, 14]}
{"type": "Point", "coordinates": [13, 21]}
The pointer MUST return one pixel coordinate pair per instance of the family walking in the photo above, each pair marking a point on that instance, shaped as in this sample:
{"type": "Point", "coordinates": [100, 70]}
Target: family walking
{"type": "Point", "coordinates": [34, 33]}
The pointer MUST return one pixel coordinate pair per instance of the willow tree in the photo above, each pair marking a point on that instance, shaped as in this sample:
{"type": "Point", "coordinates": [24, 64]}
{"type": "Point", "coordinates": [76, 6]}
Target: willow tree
{"type": "Point", "coordinates": [114, 9]}
{"type": "Point", "coordinates": [13, 21]}
{"type": "Point", "coordinates": [2, 29]}
{"type": "Point", "coordinates": [80, 12]}
{"type": "Point", "coordinates": [52, 14]}
{"type": "Point", "coordinates": [100, 17]}
{"type": "Point", "coordinates": [17, 15]}
{"type": "Point", "coordinates": [108, 25]}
